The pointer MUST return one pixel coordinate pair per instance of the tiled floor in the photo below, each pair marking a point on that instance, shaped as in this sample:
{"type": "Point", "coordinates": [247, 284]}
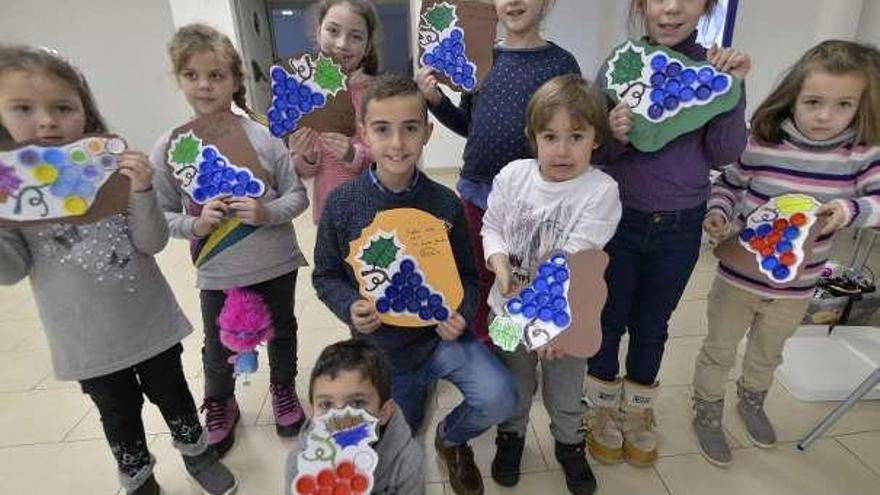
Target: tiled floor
{"type": "Point", "coordinates": [51, 439]}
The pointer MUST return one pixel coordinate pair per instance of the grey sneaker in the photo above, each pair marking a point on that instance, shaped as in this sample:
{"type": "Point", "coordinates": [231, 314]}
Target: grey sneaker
{"type": "Point", "coordinates": [710, 434]}
{"type": "Point", "coordinates": [751, 410]}
{"type": "Point", "coordinates": [212, 476]}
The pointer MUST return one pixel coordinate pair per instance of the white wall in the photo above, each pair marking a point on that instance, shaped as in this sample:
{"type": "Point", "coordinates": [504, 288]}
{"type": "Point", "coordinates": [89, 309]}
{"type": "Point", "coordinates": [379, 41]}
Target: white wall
{"type": "Point", "coordinates": [120, 47]}
{"type": "Point", "coordinates": [869, 23]}
{"type": "Point", "coordinates": [216, 13]}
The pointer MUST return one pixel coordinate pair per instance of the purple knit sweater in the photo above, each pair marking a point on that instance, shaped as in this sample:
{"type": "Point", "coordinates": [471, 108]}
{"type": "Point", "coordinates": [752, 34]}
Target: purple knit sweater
{"type": "Point", "coordinates": [677, 176]}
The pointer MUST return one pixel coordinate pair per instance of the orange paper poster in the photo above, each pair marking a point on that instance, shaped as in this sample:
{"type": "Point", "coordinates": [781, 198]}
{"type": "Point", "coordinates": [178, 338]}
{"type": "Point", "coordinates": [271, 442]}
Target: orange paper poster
{"type": "Point", "coordinates": [403, 262]}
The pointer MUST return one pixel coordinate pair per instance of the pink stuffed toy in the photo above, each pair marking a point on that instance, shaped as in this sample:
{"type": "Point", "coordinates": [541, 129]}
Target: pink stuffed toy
{"type": "Point", "coordinates": [245, 323]}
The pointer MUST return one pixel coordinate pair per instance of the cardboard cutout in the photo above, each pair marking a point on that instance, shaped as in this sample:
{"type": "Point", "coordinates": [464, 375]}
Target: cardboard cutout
{"type": "Point", "coordinates": [403, 262]}
{"type": "Point", "coordinates": [76, 182]}
{"type": "Point", "coordinates": [212, 157]}
{"type": "Point", "coordinates": [310, 91]}
{"type": "Point", "coordinates": [456, 39]}
{"type": "Point", "coordinates": [563, 301]}
{"type": "Point", "coordinates": [778, 237]}
{"type": "Point", "coordinates": [669, 94]}
{"type": "Point", "coordinates": [337, 457]}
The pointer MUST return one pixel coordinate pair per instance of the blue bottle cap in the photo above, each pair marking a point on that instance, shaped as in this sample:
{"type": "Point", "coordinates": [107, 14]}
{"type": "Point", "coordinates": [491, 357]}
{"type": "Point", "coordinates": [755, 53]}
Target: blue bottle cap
{"type": "Point", "coordinates": [414, 280]}
{"type": "Point", "coordinates": [672, 86]}
{"type": "Point", "coordinates": [277, 129]}
{"type": "Point", "coordinates": [425, 313]}
{"type": "Point", "coordinates": [459, 49]}
{"type": "Point", "coordinates": [719, 83]}
{"type": "Point", "coordinates": [229, 174]}
{"type": "Point", "coordinates": [407, 294]}
{"type": "Point", "coordinates": [305, 106]}
{"type": "Point", "coordinates": [289, 124]}
{"type": "Point", "coordinates": [673, 69]}
{"type": "Point", "coordinates": [688, 76]}
{"type": "Point", "coordinates": [770, 263]}
{"type": "Point", "coordinates": [278, 74]}
{"type": "Point", "coordinates": [540, 284]}
{"type": "Point", "coordinates": [435, 300]}
{"type": "Point", "coordinates": [670, 103]}
{"type": "Point", "coordinates": [279, 104]}
{"type": "Point", "coordinates": [705, 75]}
{"type": "Point", "coordinates": [383, 305]}
{"type": "Point", "coordinates": [658, 62]}
{"type": "Point", "coordinates": [216, 177]}
{"type": "Point", "coordinates": [225, 187]}
{"type": "Point", "coordinates": [557, 288]}
{"type": "Point", "coordinates": [54, 156]}
{"type": "Point", "coordinates": [407, 266]}
{"type": "Point", "coordinates": [274, 115]}
{"type": "Point", "coordinates": [253, 187]}
{"type": "Point", "coordinates": [704, 92]}
{"type": "Point", "coordinates": [318, 99]}
{"type": "Point", "coordinates": [784, 246]}
{"type": "Point", "coordinates": [467, 70]}
{"type": "Point", "coordinates": [398, 279]}
{"type": "Point", "coordinates": [292, 99]}
{"type": "Point", "coordinates": [545, 314]}
{"type": "Point", "coordinates": [398, 305]}
{"type": "Point", "coordinates": [200, 195]}
{"type": "Point", "coordinates": [558, 260]}
{"type": "Point", "coordinates": [305, 91]}
{"type": "Point", "coordinates": [686, 94]}
{"type": "Point", "coordinates": [209, 154]}
{"type": "Point", "coordinates": [469, 83]}
{"type": "Point", "coordinates": [293, 114]}
{"type": "Point", "coordinates": [546, 269]}
{"type": "Point", "coordinates": [561, 319]}
{"type": "Point", "coordinates": [781, 272]}
{"type": "Point", "coordinates": [527, 294]}
{"type": "Point", "coordinates": [239, 190]}
{"type": "Point", "coordinates": [658, 79]}
{"type": "Point", "coordinates": [243, 177]}
{"type": "Point", "coordinates": [457, 78]}
{"type": "Point", "coordinates": [210, 190]}
{"type": "Point", "coordinates": [292, 84]}
{"type": "Point", "coordinates": [655, 111]}
{"type": "Point", "coordinates": [61, 189]}
{"type": "Point", "coordinates": [456, 34]}
{"type": "Point", "coordinates": [278, 89]}
{"type": "Point", "coordinates": [392, 291]}
{"type": "Point", "coordinates": [529, 310]}
{"type": "Point", "coordinates": [514, 306]}
{"type": "Point", "coordinates": [764, 229]}
{"type": "Point", "coordinates": [422, 293]}
{"type": "Point", "coordinates": [427, 58]}
{"type": "Point", "coordinates": [446, 43]}
{"type": "Point", "coordinates": [657, 95]}
{"type": "Point", "coordinates": [746, 234]}
{"type": "Point", "coordinates": [29, 157]}
{"type": "Point", "coordinates": [561, 275]}
{"type": "Point", "coordinates": [542, 298]}
{"type": "Point", "coordinates": [413, 306]}
{"type": "Point", "coordinates": [558, 303]}
{"type": "Point", "coordinates": [441, 313]}
{"type": "Point", "coordinates": [791, 233]}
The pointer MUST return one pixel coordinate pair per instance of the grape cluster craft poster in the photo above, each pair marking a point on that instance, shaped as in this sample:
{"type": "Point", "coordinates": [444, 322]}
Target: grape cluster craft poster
{"type": "Point", "coordinates": [456, 39]}
{"type": "Point", "coordinates": [669, 94]}
{"type": "Point", "coordinates": [212, 158]}
{"type": "Point", "coordinates": [76, 182]}
{"type": "Point", "coordinates": [776, 241]}
{"type": "Point", "coordinates": [563, 301]}
{"type": "Point", "coordinates": [404, 263]}
{"type": "Point", "coordinates": [337, 457]}
{"type": "Point", "coordinates": [310, 91]}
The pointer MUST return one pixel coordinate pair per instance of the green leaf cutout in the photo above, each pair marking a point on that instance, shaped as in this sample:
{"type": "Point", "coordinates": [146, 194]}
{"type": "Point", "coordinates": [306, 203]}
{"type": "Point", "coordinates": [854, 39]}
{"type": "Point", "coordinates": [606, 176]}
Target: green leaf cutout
{"type": "Point", "coordinates": [628, 67]}
{"type": "Point", "coordinates": [185, 149]}
{"type": "Point", "coordinates": [440, 16]}
{"type": "Point", "coordinates": [380, 253]}
{"type": "Point", "coordinates": [328, 75]}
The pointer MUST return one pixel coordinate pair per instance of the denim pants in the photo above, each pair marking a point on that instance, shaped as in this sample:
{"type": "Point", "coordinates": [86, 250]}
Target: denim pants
{"type": "Point", "coordinates": [652, 256]}
{"type": "Point", "coordinates": [277, 293]}
{"type": "Point", "coordinates": [490, 395]}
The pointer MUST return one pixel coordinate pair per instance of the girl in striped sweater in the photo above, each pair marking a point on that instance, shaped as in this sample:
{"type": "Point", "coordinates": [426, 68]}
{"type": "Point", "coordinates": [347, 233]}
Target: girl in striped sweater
{"type": "Point", "coordinates": [818, 133]}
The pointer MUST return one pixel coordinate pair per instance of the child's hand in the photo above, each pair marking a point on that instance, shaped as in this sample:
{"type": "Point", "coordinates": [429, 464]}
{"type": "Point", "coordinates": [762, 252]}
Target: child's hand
{"type": "Point", "coordinates": [500, 265]}
{"type": "Point", "coordinates": [136, 166]}
{"type": "Point", "coordinates": [835, 216]}
{"type": "Point", "coordinates": [716, 225]}
{"type": "Point", "coordinates": [304, 143]}
{"type": "Point", "coordinates": [249, 210]}
{"type": "Point", "coordinates": [427, 82]}
{"type": "Point", "coordinates": [452, 328]}
{"type": "Point", "coordinates": [549, 351]}
{"type": "Point", "coordinates": [339, 145]}
{"type": "Point", "coordinates": [364, 316]}
{"type": "Point", "coordinates": [729, 60]}
{"type": "Point", "coordinates": [212, 214]}
{"type": "Point", "coordinates": [620, 119]}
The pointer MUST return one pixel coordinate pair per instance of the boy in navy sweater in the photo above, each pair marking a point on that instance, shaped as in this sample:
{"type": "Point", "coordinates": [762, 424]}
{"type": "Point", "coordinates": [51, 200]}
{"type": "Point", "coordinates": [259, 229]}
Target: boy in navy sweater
{"type": "Point", "coordinates": [395, 126]}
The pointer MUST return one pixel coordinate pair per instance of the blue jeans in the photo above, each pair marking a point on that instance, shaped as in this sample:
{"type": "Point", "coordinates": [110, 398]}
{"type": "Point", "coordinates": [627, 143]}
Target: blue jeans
{"type": "Point", "coordinates": [490, 395]}
{"type": "Point", "coordinates": [652, 258]}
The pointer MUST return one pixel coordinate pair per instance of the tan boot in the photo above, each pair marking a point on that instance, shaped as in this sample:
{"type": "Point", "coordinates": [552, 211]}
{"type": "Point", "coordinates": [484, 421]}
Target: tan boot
{"type": "Point", "coordinates": [637, 411]}
{"type": "Point", "coordinates": [604, 438]}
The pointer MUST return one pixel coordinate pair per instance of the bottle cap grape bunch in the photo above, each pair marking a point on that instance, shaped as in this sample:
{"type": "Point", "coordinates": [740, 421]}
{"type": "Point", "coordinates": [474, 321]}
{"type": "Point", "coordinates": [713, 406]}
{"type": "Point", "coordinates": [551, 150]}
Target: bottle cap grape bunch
{"type": "Point", "coordinates": [206, 174]}
{"type": "Point", "coordinates": [674, 86]}
{"type": "Point", "coordinates": [409, 293]}
{"type": "Point", "coordinates": [444, 46]}
{"type": "Point", "coordinates": [301, 92]}
{"type": "Point", "coordinates": [342, 479]}
{"type": "Point", "coordinates": [546, 298]}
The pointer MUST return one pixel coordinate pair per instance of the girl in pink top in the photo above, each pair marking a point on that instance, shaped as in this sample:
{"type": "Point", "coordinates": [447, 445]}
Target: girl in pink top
{"type": "Point", "coordinates": [349, 32]}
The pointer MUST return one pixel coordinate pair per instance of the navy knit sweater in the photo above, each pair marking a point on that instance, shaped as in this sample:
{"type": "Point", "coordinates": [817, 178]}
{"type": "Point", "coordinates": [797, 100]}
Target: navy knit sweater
{"type": "Point", "coordinates": [493, 118]}
{"type": "Point", "coordinates": [351, 207]}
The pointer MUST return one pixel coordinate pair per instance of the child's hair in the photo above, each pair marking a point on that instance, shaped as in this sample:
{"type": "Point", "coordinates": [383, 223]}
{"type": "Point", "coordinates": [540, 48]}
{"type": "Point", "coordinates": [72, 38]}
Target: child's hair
{"type": "Point", "coordinates": [836, 57]}
{"type": "Point", "coordinates": [40, 60]}
{"type": "Point", "coordinates": [389, 85]}
{"type": "Point", "coordinates": [197, 38]}
{"type": "Point", "coordinates": [364, 8]}
{"type": "Point", "coordinates": [637, 11]}
{"type": "Point", "coordinates": [354, 355]}
{"type": "Point", "coordinates": [583, 101]}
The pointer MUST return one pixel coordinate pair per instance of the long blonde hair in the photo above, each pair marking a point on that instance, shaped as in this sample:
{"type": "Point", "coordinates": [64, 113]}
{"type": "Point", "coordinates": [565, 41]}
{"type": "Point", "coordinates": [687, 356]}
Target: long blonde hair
{"type": "Point", "coordinates": [835, 57]}
{"type": "Point", "coordinates": [196, 38]}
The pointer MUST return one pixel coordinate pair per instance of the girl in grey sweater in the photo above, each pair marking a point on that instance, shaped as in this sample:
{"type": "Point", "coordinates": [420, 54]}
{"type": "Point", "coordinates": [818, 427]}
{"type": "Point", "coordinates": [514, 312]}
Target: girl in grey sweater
{"type": "Point", "coordinates": [110, 317]}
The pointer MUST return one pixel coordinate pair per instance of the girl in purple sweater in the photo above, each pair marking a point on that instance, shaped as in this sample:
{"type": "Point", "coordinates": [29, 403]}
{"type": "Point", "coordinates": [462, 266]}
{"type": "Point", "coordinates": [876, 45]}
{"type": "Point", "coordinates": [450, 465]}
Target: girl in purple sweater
{"type": "Point", "coordinates": [657, 243]}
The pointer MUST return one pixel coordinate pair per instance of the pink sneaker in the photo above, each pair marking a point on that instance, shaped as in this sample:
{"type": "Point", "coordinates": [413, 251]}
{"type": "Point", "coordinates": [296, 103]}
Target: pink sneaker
{"type": "Point", "coordinates": [289, 414]}
{"type": "Point", "coordinates": [221, 418]}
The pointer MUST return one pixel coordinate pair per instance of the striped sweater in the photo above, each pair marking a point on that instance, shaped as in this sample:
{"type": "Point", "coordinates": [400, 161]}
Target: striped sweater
{"type": "Point", "coordinates": [848, 174]}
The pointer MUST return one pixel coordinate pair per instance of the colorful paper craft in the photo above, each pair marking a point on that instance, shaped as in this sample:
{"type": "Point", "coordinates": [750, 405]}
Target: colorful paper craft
{"type": "Point", "coordinates": [669, 94]}
{"type": "Point", "coordinates": [456, 38]}
{"type": "Point", "coordinates": [212, 157]}
{"type": "Point", "coordinates": [337, 458]}
{"type": "Point", "coordinates": [404, 263]}
{"type": "Point", "coordinates": [72, 183]}
{"type": "Point", "coordinates": [776, 240]}
{"type": "Point", "coordinates": [245, 322]}
{"type": "Point", "coordinates": [310, 91]}
{"type": "Point", "coordinates": [543, 311]}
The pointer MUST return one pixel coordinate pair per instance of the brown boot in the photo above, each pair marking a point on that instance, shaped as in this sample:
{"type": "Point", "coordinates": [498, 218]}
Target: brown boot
{"type": "Point", "coordinates": [464, 476]}
{"type": "Point", "coordinates": [604, 438]}
{"type": "Point", "coordinates": [637, 410]}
